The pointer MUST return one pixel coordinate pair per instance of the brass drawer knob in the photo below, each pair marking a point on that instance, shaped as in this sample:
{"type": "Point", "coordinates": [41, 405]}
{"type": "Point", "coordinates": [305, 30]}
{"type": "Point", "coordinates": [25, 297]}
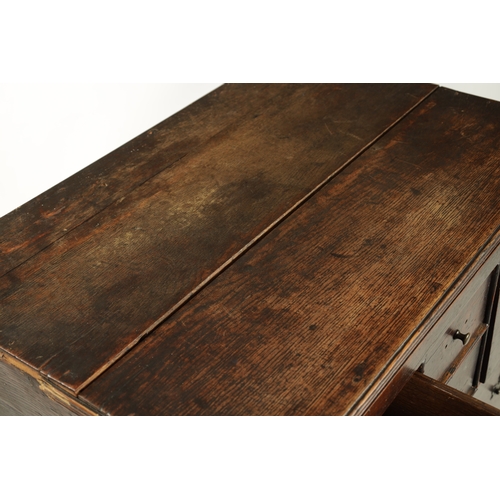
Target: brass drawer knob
{"type": "Point", "coordinates": [464, 337]}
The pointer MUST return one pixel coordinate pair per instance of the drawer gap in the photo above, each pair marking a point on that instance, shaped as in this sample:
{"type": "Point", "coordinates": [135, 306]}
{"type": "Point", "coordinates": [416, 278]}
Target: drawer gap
{"type": "Point", "coordinates": [482, 360]}
{"type": "Point", "coordinates": [491, 330]}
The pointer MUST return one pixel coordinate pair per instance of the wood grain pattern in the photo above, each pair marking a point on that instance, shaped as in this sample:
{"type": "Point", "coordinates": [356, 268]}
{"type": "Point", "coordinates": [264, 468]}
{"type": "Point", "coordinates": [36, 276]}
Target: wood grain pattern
{"type": "Point", "coordinates": [307, 321]}
{"type": "Point", "coordinates": [48, 217]}
{"type": "Point", "coordinates": [423, 396]}
{"type": "Point", "coordinates": [72, 309]}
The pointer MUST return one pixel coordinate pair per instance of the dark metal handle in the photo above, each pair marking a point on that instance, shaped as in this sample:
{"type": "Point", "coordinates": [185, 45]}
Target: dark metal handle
{"type": "Point", "coordinates": [464, 337]}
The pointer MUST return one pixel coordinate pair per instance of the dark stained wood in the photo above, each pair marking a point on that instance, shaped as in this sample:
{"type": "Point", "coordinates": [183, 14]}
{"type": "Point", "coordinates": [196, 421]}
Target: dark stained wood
{"type": "Point", "coordinates": [423, 396]}
{"type": "Point", "coordinates": [322, 312]}
{"type": "Point", "coordinates": [73, 309]}
{"type": "Point", "coordinates": [388, 393]}
{"type": "Point", "coordinates": [48, 217]}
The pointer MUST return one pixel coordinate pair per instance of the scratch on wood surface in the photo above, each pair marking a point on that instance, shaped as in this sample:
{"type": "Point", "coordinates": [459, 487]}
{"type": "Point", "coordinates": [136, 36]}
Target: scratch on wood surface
{"type": "Point", "coordinates": [352, 135]}
{"type": "Point", "coordinates": [7, 250]}
{"type": "Point", "coordinates": [341, 256]}
{"type": "Point", "coordinates": [47, 215]}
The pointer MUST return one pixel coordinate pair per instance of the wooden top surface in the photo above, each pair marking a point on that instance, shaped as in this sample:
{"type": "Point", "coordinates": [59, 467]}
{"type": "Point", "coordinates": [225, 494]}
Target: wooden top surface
{"type": "Point", "coordinates": [98, 262]}
{"type": "Point", "coordinates": [280, 266]}
{"type": "Point", "coordinates": [309, 320]}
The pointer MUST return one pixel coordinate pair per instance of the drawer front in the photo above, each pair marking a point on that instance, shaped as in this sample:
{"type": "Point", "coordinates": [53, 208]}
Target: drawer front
{"type": "Point", "coordinates": [449, 360]}
{"type": "Point", "coordinates": [488, 389]}
{"type": "Point", "coordinates": [438, 355]}
{"type": "Point", "coordinates": [464, 318]}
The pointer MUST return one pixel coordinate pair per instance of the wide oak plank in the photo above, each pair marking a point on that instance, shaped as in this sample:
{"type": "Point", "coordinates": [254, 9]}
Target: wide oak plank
{"type": "Point", "coordinates": [309, 319]}
{"type": "Point", "coordinates": [74, 308]}
{"type": "Point", "coordinates": [33, 226]}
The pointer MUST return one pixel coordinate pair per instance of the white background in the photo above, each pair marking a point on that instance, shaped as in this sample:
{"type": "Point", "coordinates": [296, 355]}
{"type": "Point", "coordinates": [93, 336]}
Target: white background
{"type": "Point", "coordinates": [50, 131]}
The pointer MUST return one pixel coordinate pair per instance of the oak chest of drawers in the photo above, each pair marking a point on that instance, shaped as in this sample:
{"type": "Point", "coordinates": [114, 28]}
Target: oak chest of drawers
{"type": "Point", "coordinates": [269, 250]}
